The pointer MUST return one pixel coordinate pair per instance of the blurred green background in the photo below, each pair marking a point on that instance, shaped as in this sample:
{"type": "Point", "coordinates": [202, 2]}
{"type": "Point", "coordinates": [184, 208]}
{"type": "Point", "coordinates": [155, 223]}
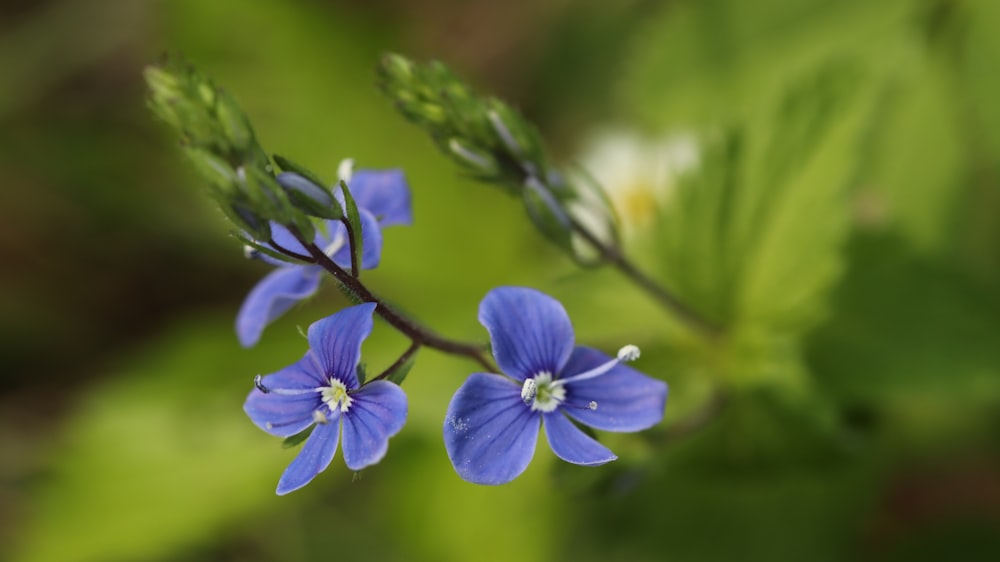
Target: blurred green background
{"type": "Point", "coordinates": [843, 224]}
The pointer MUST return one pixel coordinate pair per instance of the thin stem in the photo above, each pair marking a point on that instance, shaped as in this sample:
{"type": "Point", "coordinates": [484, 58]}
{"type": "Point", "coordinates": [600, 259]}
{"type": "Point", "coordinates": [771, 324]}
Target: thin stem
{"type": "Point", "coordinates": [614, 256]}
{"type": "Point", "coordinates": [289, 253]}
{"type": "Point", "coordinates": [355, 267]}
{"type": "Point", "coordinates": [410, 351]}
{"type": "Point", "coordinates": [416, 332]}
{"type": "Point", "coordinates": [657, 291]}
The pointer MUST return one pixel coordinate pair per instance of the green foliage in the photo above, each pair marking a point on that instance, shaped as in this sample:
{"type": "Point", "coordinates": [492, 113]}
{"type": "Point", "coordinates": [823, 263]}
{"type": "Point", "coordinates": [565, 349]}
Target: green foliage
{"type": "Point", "coordinates": [753, 239]}
{"type": "Point", "coordinates": [354, 222]}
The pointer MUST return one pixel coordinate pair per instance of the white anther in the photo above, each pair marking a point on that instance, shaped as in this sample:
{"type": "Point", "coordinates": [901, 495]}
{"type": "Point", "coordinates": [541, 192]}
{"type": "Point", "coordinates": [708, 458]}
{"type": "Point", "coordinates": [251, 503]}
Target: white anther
{"type": "Point", "coordinates": [250, 253]}
{"type": "Point", "coordinates": [319, 417]}
{"type": "Point", "coordinates": [628, 353]}
{"type": "Point", "coordinates": [528, 391]}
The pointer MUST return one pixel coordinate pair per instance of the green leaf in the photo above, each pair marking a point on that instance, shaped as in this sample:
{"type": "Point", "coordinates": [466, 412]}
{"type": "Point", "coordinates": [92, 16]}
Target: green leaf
{"type": "Point", "coordinates": [299, 437]}
{"type": "Point", "coordinates": [753, 239]}
{"type": "Point", "coordinates": [354, 220]}
{"type": "Point", "coordinates": [397, 373]}
{"type": "Point", "coordinates": [362, 373]}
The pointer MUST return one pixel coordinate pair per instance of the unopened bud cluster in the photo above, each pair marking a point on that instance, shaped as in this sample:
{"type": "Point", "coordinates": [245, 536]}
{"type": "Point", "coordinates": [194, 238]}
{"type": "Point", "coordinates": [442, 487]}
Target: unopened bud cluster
{"type": "Point", "coordinates": [491, 141]}
{"type": "Point", "coordinates": [218, 139]}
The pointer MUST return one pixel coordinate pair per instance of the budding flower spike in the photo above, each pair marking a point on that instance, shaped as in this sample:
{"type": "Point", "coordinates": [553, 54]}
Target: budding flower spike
{"type": "Point", "coordinates": [492, 424]}
{"type": "Point", "coordinates": [323, 390]}
{"type": "Point", "coordinates": [383, 199]}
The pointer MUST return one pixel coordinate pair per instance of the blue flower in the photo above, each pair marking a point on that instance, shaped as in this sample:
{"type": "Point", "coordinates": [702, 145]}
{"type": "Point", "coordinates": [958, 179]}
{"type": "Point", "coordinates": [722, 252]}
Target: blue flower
{"type": "Point", "coordinates": [383, 199]}
{"type": "Point", "coordinates": [492, 424]}
{"type": "Point", "coordinates": [322, 389]}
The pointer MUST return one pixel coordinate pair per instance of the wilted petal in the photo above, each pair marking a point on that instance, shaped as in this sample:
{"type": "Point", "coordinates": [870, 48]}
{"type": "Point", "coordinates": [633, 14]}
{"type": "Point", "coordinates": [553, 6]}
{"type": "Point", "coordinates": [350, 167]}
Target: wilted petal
{"type": "Point", "coordinates": [384, 193]}
{"type": "Point", "coordinates": [572, 445]}
{"type": "Point", "coordinates": [335, 341]}
{"type": "Point", "coordinates": [377, 413]}
{"type": "Point", "coordinates": [489, 433]}
{"type": "Point", "coordinates": [314, 457]}
{"type": "Point", "coordinates": [273, 296]}
{"type": "Point", "coordinates": [371, 236]}
{"type": "Point", "coordinates": [627, 400]}
{"type": "Point", "coordinates": [285, 415]}
{"type": "Point", "coordinates": [530, 331]}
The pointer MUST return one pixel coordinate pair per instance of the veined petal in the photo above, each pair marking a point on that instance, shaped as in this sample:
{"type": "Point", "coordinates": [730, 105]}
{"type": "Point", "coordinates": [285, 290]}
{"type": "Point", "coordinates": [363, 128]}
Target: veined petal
{"type": "Point", "coordinates": [489, 433]}
{"type": "Point", "coordinates": [383, 193]}
{"type": "Point", "coordinates": [530, 331]}
{"type": "Point", "coordinates": [314, 457]}
{"type": "Point", "coordinates": [371, 235]}
{"type": "Point", "coordinates": [277, 292]}
{"type": "Point", "coordinates": [281, 414]}
{"type": "Point", "coordinates": [627, 400]}
{"type": "Point", "coordinates": [572, 445]}
{"type": "Point", "coordinates": [377, 413]}
{"type": "Point", "coordinates": [335, 341]}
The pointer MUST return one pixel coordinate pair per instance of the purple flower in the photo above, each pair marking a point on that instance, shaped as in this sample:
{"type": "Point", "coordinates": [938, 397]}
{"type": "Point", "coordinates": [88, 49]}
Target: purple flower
{"type": "Point", "coordinates": [492, 424]}
{"type": "Point", "coordinates": [322, 389]}
{"type": "Point", "coordinates": [383, 199]}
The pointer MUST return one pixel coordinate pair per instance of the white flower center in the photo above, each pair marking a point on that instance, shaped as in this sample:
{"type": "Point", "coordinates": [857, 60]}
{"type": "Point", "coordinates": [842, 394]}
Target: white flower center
{"type": "Point", "coordinates": [335, 396]}
{"type": "Point", "coordinates": [544, 394]}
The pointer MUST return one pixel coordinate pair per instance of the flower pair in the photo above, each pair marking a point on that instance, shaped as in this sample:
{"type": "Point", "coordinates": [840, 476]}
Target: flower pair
{"type": "Point", "coordinates": [492, 425]}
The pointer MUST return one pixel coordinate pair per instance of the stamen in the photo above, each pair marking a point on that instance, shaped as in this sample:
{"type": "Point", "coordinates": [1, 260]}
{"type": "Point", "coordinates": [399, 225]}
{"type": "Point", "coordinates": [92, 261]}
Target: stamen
{"type": "Point", "coordinates": [319, 417]}
{"type": "Point", "coordinates": [260, 386]}
{"type": "Point", "coordinates": [588, 406]}
{"type": "Point", "coordinates": [258, 382]}
{"type": "Point", "coordinates": [250, 253]}
{"type": "Point", "coordinates": [528, 391]}
{"type": "Point", "coordinates": [627, 353]}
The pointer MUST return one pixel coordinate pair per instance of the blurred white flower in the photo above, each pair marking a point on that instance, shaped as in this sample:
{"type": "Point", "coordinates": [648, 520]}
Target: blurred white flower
{"type": "Point", "coordinates": [638, 173]}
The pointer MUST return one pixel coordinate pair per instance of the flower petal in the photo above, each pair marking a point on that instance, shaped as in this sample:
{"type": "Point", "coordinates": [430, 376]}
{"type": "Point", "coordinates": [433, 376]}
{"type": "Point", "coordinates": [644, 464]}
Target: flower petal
{"type": "Point", "coordinates": [284, 238]}
{"type": "Point", "coordinates": [277, 292]}
{"type": "Point", "coordinates": [377, 413]}
{"type": "Point", "coordinates": [530, 331]}
{"type": "Point", "coordinates": [572, 445]}
{"type": "Point", "coordinates": [627, 400]}
{"type": "Point", "coordinates": [384, 193]}
{"type": "Point", "coordinates": [280, 414]}
{"type": "Point", "coordinates": [314, 457]}
{"type": "Point", "coordinates": [371, 236]}
{"type": "Point", "coordinates": [335, 341]}
{"type": "Point", "coordinates": [489, 433]}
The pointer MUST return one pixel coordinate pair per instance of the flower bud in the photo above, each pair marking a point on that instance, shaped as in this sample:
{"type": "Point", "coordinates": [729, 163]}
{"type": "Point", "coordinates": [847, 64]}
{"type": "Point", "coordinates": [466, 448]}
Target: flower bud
{"type": "Point", "coordinates": [310, 197]}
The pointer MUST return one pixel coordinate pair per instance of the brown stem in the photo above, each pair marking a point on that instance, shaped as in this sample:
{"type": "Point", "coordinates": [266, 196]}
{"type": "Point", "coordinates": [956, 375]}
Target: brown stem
{"type": "Point", "coordinates": [411, 329]}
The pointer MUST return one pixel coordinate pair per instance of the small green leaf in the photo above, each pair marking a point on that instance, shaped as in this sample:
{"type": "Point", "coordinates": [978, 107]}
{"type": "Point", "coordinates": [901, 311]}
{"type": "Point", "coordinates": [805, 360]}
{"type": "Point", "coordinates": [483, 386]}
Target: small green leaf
{"type": "Point", "coordinates": [362, 373]}
{"type": "Point", "coordinates": [354, 220]}
{"type": "Point", "coordinates": [299, 437]}
{"type": "Point", "coordinates": [397, 373]}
